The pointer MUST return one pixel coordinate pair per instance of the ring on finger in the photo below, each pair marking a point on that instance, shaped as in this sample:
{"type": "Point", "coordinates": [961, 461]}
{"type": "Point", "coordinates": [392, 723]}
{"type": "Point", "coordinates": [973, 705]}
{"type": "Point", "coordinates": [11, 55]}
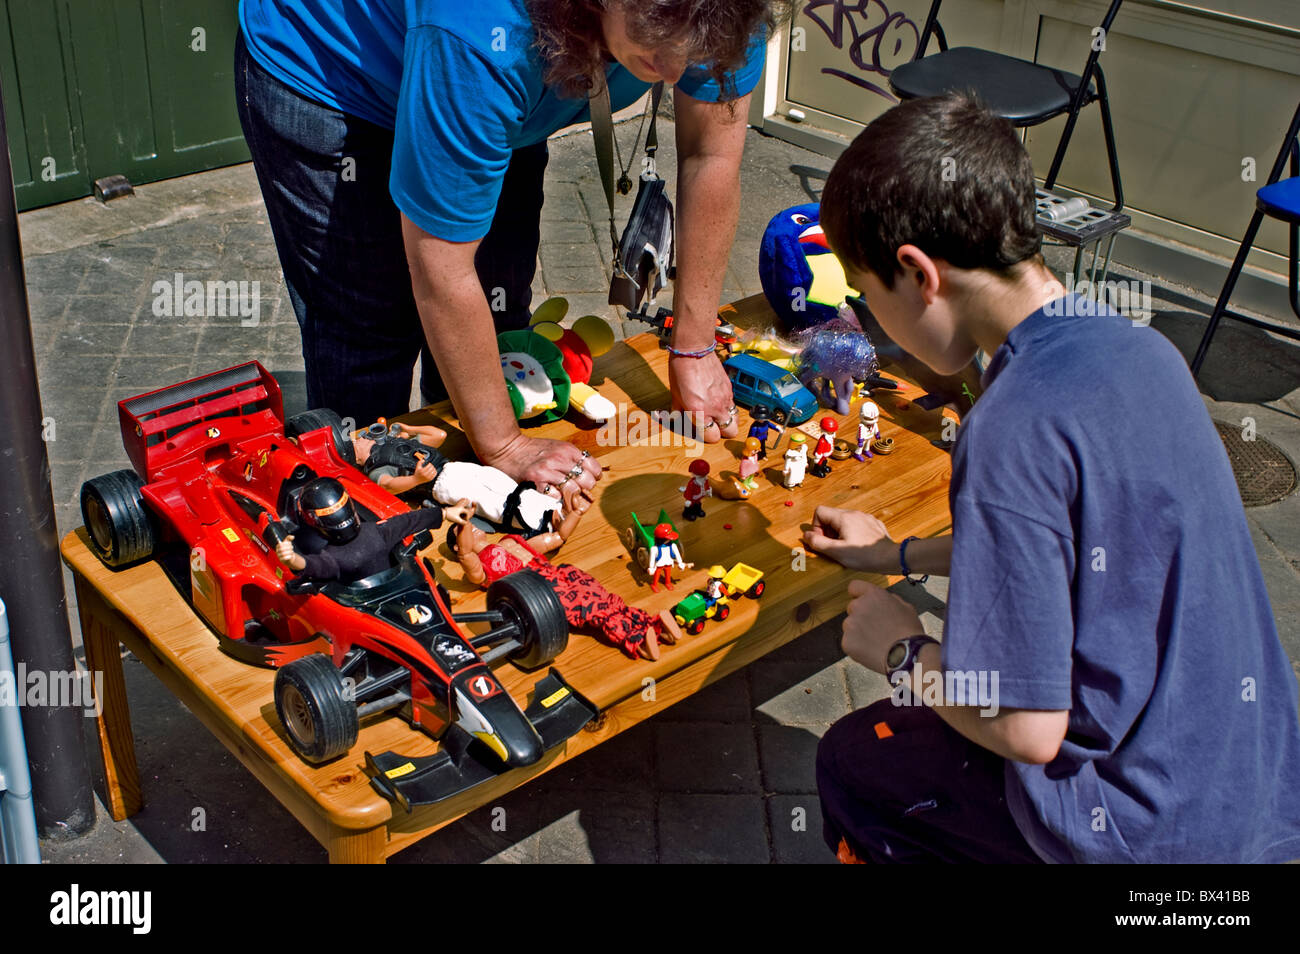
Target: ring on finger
{"type": "Point", "coordinates": [560, 485]}
{"type": "Point", "coordinates": [576, 471]}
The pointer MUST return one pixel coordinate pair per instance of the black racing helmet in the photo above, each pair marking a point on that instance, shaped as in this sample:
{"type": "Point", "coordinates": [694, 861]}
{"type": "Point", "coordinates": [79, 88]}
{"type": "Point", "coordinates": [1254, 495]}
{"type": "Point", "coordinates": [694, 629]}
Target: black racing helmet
{"type": "Point", "coordinates": [759, 413]}
{"type": "Point", "coordinates": [325, 506]}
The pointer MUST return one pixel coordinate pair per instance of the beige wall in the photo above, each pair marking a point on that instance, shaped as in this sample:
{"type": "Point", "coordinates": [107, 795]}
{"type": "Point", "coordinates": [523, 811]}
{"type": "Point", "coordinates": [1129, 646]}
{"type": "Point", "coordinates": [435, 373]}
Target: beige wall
{"type": "Point", "coordinates": [1196, 87]}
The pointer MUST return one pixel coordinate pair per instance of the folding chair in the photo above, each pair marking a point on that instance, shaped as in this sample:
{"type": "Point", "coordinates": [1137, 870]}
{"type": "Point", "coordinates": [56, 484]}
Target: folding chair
{"type": "Point", "coordinates": [1025, 93]}
{"type": "Point", "coordinates": [1280, 199]}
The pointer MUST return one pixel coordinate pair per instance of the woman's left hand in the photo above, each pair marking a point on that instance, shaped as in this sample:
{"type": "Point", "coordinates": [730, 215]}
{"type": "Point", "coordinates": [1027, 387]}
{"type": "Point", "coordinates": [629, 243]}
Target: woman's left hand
{"type": "Point", "coordinates": [701, 387]}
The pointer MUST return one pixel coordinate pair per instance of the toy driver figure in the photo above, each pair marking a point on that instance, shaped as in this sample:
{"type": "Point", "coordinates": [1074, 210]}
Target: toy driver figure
{"type": "Point", "coordinates": [714, 590]}
{"type": "Point", "coordinates": [663, 555]}
{"type": "Point", "coordinates": [825, 444]}
{"type": "Point", "coordinates": [759, 429]}
{"type": "Point", "coordinates": [355, 549]}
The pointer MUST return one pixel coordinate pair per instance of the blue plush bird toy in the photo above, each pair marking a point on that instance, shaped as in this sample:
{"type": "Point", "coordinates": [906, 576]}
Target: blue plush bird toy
{"type": "Point", "coordinates": [802, 279]}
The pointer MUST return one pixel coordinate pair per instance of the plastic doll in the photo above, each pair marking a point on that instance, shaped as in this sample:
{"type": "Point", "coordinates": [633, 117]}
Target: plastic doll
{"type": "Point", "coordinates": [587, 604]}
{"type": "Point", "coordinates": [663, 555]}
{"type": "Point", "coordinates": [696, 489]}
{"type": "Point", "coordinates": [796, 461]}
{"type": "Point", "coordinates": [749, 463]}
{"type": "Point", "coordinates": [354, 548]}
{"type": "Point", "coordinates": [868, 429]}
{"type": "Point", "coordinates": [399, 457]}
{"type": "Point", "coordinates": [761, 426]}
{"type": "Point", "coordinates": [825, 445]}
{"type": "Point", "coordinates": [503, 501]}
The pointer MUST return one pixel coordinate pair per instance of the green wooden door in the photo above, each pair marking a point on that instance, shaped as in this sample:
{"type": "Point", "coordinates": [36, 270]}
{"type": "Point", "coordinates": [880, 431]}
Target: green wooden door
{"type": "Point", "coordinates": [144, 88]}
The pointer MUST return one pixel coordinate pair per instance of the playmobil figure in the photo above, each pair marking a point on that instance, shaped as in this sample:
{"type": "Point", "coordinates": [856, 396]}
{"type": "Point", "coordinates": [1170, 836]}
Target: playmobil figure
{"type": "Point", "coordinates": [714, 590]}
{"type": "Point", "coordinates": [760, 427]}
{"type": "Point", "coordinates": [587, 604]}
{"type": "Point", "coordinates": [868, 429]}
{"type": "Point", "coordinates": [399, 457]}
{"type": "Point", "coordinates": [354, 548]}
{"type": "Point", "coordinates": [825, 446]}
{"type": "Point", "coordinates": [796, 461]}
{"type": "Point", "coordinates": [749, 463]}
{"type": "Point", "coordinates": [663, 555]}
{"type": "Point", "coordinates": [696, 489]}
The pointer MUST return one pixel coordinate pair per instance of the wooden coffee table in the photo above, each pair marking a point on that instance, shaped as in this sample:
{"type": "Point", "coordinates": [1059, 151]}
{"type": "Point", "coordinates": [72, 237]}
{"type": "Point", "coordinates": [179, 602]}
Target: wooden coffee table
{"type": "Point", "coordinates": [140, 609]}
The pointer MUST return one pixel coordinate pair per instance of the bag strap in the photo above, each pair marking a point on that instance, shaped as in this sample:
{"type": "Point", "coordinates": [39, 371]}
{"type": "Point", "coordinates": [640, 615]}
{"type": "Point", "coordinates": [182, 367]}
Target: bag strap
{"type": "Point", "coordinates": [602, 129]}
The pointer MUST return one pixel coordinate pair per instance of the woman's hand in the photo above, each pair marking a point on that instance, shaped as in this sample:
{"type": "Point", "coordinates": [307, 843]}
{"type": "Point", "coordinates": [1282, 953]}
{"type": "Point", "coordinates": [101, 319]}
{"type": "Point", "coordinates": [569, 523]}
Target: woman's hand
{"type": "Point", "coordinates": [700, 387]}
{"type": "Point", "coordinates": [857, 540]}
{"type": "Point", "coordinates": [547, 463]}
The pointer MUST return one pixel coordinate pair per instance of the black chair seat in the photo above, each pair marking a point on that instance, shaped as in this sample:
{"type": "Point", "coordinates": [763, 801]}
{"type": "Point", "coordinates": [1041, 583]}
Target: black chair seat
{"type": "Point", "coordinates": [1024, 93]}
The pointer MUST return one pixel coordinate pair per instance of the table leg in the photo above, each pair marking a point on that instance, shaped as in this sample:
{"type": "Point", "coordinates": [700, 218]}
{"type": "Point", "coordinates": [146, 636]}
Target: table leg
{"type": "Point", "coordinates": [348, 846]}
{"type": "Point", "coordinates": [99, 634]}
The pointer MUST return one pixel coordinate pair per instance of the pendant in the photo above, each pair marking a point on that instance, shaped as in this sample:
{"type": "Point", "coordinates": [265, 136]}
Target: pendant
{"type": "Point", "coordinates": [624, 184]}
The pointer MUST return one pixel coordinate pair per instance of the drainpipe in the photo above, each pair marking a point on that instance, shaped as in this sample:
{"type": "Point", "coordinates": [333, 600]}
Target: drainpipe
{"type": "Point", "coordinates": [30, 573]}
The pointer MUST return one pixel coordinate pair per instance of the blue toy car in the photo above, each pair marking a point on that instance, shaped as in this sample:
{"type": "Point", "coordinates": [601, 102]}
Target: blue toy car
{"type": "Point", "coordinates": [755, 381]}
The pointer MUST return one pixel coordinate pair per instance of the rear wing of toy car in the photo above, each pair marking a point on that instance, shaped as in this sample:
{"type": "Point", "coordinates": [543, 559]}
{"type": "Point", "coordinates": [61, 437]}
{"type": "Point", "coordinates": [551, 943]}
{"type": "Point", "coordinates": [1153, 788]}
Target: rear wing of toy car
{"type": "Point", "coordinates": [163, 426]}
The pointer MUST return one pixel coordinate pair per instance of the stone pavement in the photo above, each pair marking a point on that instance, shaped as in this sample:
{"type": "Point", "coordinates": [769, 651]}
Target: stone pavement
{"type": "Point", "coordinates": [726, 776]}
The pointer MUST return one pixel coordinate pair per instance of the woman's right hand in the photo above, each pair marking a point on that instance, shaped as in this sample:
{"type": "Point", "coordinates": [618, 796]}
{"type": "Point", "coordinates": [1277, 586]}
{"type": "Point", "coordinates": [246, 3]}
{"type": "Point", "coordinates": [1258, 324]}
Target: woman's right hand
{"type": "Point", "coordinates": [545, 462]}
{"type": "Point", "coordinates": [855, 539]}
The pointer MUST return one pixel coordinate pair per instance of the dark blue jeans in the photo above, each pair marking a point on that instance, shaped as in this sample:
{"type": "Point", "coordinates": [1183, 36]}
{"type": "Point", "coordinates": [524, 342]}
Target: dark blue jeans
{"type": "Point", "coordinates": [339, 238]}
{"type": "Point", "coordinates": [923, 793]}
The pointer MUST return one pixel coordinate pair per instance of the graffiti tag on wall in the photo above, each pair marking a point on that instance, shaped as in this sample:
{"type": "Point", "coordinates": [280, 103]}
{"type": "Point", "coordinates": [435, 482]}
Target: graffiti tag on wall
{"type": "Point", "coordinates": [875, 39]}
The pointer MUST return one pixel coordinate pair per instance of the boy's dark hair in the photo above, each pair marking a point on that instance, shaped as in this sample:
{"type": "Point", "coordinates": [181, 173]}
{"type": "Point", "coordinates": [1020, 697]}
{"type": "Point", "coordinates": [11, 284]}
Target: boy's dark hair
{"type": "Point", "coordinates": [943, 174]}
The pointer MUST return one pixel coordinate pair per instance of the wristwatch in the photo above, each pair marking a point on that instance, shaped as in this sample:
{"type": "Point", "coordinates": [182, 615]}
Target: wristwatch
{"type": "Point", "coordinates": [902, 655]}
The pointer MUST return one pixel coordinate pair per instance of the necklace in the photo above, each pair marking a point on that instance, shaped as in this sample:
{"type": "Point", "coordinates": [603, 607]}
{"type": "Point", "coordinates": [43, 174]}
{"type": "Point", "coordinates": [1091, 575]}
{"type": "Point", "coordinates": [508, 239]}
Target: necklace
{"type": "Point", "coordinates": [624, 184]}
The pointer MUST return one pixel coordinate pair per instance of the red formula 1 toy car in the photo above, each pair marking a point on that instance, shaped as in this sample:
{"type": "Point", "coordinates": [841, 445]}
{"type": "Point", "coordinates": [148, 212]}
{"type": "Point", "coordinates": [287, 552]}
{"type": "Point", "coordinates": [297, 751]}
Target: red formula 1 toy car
{"type": "Point", "coordinates": [215, 486]}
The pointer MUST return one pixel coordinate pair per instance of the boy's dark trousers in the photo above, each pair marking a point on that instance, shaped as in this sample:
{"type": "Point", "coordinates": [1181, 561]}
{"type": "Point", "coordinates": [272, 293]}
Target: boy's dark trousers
{"type": "Point", "coordinates": [897, 784]}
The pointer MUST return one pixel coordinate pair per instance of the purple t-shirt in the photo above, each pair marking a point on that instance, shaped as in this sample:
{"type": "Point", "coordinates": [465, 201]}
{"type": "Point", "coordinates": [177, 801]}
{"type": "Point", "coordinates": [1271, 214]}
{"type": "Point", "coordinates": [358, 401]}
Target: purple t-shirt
{"type": "Point", "coordinates": [1102, 564]}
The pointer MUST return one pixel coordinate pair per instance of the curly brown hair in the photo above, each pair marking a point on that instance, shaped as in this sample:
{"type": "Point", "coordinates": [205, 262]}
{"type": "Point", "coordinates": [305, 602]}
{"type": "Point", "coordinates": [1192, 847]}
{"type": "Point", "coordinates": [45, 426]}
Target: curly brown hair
{"type": "Point", "coordinates": [571, 43]}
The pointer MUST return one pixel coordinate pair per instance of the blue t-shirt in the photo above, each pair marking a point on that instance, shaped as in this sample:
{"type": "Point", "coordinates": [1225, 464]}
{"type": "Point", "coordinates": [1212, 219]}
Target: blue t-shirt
{"type": "Point", "coordinates": [457, 80]}
{"type": "Point", "coordinates": [1102, 564]}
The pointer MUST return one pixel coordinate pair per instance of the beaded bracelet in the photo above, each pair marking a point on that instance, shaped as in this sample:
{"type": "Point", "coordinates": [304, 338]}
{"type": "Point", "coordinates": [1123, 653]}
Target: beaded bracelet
{"type": "Point", "coordinates": [902, 562]}
{"type": "Point", "coordinates": [702, 353]}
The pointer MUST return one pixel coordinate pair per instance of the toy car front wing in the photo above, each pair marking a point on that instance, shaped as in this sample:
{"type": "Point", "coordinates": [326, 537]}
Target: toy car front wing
{"type": "Point", "coordinates": [557, 712]}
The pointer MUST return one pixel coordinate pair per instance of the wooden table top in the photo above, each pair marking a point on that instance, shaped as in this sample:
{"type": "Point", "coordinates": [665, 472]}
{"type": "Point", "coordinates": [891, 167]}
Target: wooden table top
{"type": "Point", "coordinates": [906, 489]}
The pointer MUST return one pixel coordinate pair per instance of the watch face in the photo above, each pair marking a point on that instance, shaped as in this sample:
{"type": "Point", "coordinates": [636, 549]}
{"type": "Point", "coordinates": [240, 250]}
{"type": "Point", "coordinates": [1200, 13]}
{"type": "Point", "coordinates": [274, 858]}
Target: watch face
{"type": "Point", "coordinates": [897, 653]}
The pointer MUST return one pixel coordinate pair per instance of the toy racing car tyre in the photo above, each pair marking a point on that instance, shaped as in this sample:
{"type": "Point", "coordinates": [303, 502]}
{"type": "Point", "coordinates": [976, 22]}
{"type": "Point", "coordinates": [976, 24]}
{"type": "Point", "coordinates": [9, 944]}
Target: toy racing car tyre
{"type": "Point", "coordinates": [113, 510]}
{"type": "Point", "coordinates": [313, 705]}
{"type": "Point", "coordinates": [696, 627]}
{"type": "Point", "coordinates": [723, 612]}
{"type": "Point", "coordinates": [529, 597]}
{"type": "Point", "coordinates": [314, 420]}
{"type": "Point", "coordinates": [779, 417]}
{"type": "Point", "coordinates": [756, 591]}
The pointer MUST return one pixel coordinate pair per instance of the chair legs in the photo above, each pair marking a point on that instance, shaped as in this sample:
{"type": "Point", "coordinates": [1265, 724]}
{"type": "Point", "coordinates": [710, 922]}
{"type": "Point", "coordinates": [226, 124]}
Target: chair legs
{"type": "Point", "coordinates": [1108, 130]}
{"type": "Point", "coordinates": [1222, 304]}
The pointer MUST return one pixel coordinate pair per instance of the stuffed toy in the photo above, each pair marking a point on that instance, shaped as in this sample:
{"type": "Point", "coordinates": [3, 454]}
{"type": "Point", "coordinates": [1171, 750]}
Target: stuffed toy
{"type": "Point", "coordinates": [547, 368]}
{"type": "Point", "coordinates": [802, 279]}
